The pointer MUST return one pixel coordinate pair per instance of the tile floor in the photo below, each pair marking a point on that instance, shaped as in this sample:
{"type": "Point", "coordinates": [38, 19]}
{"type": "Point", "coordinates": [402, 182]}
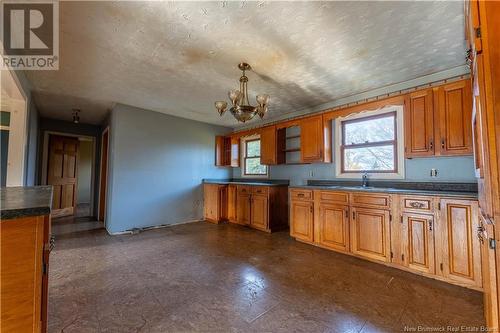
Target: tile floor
{"type": "Point", "coordinates": [201, 277]}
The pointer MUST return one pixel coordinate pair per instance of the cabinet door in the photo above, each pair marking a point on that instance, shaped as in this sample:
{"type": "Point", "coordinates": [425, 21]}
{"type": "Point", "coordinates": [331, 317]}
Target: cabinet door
{"type": "Point", "coordinates": [460, 246]}
{"type": "Point", "coordinates": [370, 233]}
{"type": "Point", "coordinates": [231, 203]}
{"type": "Point", "coordinates": [235, 151]}
{"type": "Point", "coordinates": [210, 194]}
{"type": "Point", "coordinates": [454, 105]}
{"type": "Point", "coordinates": [334, 226]}
{"type": "Point", "coordinates": [243, 209]}
{"type": "Point", "coordinates": [259, 212]}
{"type": "Point", "coordinates": [301, 220]}
{"type": "Point", "coordinates": [219, 150]}
{"type": "Point", "coordinates": [268, 145]}
{"type": "Point", "coordinates": [419, 124]}
{"type": "Point", "coordinates": [419, 242]}
{"type": "Point", "coordinates": [311, 139]}
{"type": "Point", "coordinates": [485, 234]}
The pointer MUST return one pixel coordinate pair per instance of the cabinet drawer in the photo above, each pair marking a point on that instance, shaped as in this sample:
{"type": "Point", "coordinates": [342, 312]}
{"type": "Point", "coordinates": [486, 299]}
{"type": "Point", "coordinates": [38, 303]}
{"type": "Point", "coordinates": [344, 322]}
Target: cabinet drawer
{"type": "Point", "coordinates": [301, 194]}
{"type": "Point", "coordinates": [371, 200]}
{"type": "Point", "coordinates": [422, 204]}
{"type": "Point", "coordinates": [264, 190]}
{"type": "Point", "coordinates": [244, 189]}
{"type": "Point", "coordinates": [330, 196]}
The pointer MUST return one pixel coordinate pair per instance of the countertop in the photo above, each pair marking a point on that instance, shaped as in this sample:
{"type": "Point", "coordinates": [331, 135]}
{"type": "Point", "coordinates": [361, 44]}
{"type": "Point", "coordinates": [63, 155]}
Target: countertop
{"type": "Point", "coordinates": [17, 202]}
{"type": "Point", "coordinates": [459, 194]}
{"type": "Point", "coordinates": [269, 182]}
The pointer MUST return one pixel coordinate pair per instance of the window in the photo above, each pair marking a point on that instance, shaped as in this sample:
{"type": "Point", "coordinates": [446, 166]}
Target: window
{"type": "Point", "coordinates": [251, 159]}
{"type": "Point", "coordinates": [371, 142]}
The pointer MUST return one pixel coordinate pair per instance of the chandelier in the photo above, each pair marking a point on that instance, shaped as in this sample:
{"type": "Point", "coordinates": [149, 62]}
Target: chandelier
{"type": "Point", "coordinates": [241, 109]}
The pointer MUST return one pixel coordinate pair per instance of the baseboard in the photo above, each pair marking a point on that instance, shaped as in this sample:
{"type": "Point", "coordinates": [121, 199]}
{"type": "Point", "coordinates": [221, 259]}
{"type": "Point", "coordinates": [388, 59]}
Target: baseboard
{"type": "Point", "coordinates": [130, 232]}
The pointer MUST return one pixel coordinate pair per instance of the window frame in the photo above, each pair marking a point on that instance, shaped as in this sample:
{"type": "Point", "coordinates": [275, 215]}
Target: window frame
{"type": "Point", "coordinates": [398, 143]}
{"type": "Point", "coordinates": [244, 157]}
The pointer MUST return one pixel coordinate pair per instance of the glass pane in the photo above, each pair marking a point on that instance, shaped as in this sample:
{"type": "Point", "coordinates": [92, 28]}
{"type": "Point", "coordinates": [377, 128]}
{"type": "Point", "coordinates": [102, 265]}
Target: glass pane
{"type": "Point", "coordinates": [370, 130]}
{"type": "Point", "coordinates": [253, 148]}
{"type": "Point", "coordinates": [4, 118]}
{"type": "Point", "coordinates": [253, 167]}
{"type": "Point", "coordinates": [379, 158]}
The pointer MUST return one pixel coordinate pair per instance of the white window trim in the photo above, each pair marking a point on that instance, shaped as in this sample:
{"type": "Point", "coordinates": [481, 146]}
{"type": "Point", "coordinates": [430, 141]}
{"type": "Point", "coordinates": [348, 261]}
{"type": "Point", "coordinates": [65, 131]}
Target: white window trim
{"type": "Point", "coordinates": [400, 144]}
{"type": "Point", "coordinates": [242, 158]}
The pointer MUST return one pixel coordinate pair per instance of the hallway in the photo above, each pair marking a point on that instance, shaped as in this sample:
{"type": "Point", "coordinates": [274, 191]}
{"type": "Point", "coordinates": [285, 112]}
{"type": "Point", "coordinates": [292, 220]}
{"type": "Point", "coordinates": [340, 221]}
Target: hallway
{"type": "Point", "coordinates": [203, 277]}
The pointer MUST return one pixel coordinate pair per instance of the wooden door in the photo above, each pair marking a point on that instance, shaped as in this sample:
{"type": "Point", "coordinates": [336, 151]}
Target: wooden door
{"type": "Point", "coordinates": [231, 203]}
{"type": "Point", "coordinates": [311, 139]}
{"type": "Point", "coordinates": [259, 212]}
{"type": "Point", "coordinates": [419, 242]}
{"type": "Point", "coordinates": [334, 226]}
{"type": "Point", "coordinates": [370, 233]}
{"type": "Point", "coordinates": [210, 194]}
{"type": "Point", "coordinates": [243, 208]}
{"type": "Point", "coordinates": [486, 234]}
{"type": "Point", "coordinates": [460, 246]}
{"type": "Point", "coordinates": [301, 220]}
{"type": "Point", "coordinates": [268, 145]}
{"type": "Point", "coordinates": [454, 105]}
{"type": "Point", "coordinates": [419, 124]}
{"type": "Point", "coordinates": [103, 179]}
{"type": "Point", "coordinates": [62, 174]}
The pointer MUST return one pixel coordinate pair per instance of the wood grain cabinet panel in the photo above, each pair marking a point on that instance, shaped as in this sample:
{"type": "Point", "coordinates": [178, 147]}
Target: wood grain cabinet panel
{"type": "Point", "coordinates": [232, 203]}
{"type": "Point", "coordinates": [315, 140]}
{"type": "Point", "coordinates": [243, 207]}
{"type": "Point", "coordinates": [461, 249]}
{"type": "Point", "coordinates": [370, 233]}
{"type": "Point", "coordinates": [215, 202]}
{"type": "Point", "coordinates": [259, 212]}
{"type": "Point", "coordinates": [268, 146]}
{"type": "Point", "coordinates": [419, 242]}
{"type": "Point", "coordinates": [301, 220]}
{"type": "Point", "coordinates": [419, 124]}
{"type": "Point", "coordinates": [454, 106]}
{"type": "Point", "coordinates": [371, 200]}
{"type": "Point", "coordinates": [334, 226]}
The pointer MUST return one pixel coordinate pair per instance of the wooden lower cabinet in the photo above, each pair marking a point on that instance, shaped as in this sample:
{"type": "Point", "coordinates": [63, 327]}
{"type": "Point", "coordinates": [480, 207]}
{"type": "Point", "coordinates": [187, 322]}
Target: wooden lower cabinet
{"type": "Point", "coordinates": [259, 212]}
{"type": "Point", "coordinates": [243, 208]}
{"type": "Point", "coordinates": [333, 226]}
{"type": "Point", "coordinates": [215, 202]}
{"type": "Point", "coordinates": [418, 242]}
{"type": "Point", "coordinates": [232, 203]}
{"type": "Point", "coordinates": [461, 258]}
{"type": "Point", "coordinates": [370, 233]}
{"type": "Point", "coordinates": [301, 220]}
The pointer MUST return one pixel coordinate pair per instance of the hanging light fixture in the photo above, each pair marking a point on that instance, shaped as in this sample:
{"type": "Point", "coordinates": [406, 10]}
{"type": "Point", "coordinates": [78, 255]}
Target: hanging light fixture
{"type": "Point", "coordinates": [241, 108]}
{"type": "Point", "coordinates": [76, 116]}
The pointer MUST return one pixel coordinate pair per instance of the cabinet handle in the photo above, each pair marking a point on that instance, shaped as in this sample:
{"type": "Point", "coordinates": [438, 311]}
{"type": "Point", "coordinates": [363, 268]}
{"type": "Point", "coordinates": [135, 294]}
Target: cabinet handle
{"type": "Point", "coordinates": [416, 204]}
{"type": "Point", "coordinates": [300, 195]}
{"type": "Point", "coordinates": [353, 215]}
{"type": "Point", "coordinates": [431, 144]}
{"type": "Point", "coordinates": [430, 225]}
{"type": "Point", "coordinates": [311, 209]}
{"type": "Point", "coordinates": [442, 143]}
{"type": "Point", "coordinates": [346, 214]}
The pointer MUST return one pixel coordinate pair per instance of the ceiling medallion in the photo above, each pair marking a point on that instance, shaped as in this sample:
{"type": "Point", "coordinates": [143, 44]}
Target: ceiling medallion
{"type": "Point", "coordinates": [241, 109]}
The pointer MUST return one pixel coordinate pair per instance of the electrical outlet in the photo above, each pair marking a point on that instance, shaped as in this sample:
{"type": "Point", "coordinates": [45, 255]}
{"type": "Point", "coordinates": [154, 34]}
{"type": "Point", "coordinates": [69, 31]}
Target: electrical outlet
{"type": "Point", "coordinates": [434, 173]}
{"type": "Point", "coordinates": [311, 173]}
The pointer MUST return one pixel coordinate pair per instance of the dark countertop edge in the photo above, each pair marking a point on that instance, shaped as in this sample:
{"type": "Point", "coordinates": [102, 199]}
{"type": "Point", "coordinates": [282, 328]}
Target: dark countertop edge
{"type": "Point", "coordinates": [11, 214]}
{"type": "Point", "coordinates": [222, 182]}
{"type": "Point", "coordinates": [391, 191]}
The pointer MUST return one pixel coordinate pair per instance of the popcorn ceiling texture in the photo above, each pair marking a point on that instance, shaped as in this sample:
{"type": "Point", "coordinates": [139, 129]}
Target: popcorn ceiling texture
{"type": "Point", "coordinates": [180, 57]}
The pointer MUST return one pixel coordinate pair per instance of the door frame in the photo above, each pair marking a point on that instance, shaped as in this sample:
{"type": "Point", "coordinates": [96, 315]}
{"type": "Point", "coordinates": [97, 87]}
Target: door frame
{"type": "Point", "coordinates": [45, 159]}
{"type": "Point", "coordinates": [105, 131]}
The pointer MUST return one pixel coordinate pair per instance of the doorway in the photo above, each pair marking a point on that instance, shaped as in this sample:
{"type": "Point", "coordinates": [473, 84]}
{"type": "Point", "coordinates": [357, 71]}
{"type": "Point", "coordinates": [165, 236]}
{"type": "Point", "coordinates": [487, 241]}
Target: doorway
{"type": "Point", "coordinates": [103, 179]}
{"type": "Point", "coordinates": [69, 166]}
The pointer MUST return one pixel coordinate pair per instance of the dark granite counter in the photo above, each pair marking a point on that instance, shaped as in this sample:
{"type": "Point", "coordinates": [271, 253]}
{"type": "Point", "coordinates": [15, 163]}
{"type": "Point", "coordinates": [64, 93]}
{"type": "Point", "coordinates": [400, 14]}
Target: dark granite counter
{"type": "Point", "coordinates": [462, 190]}
{"type": "Point", "coordinates": [17, 202]}
{"type": "Point", "coordinates": [253, 182]}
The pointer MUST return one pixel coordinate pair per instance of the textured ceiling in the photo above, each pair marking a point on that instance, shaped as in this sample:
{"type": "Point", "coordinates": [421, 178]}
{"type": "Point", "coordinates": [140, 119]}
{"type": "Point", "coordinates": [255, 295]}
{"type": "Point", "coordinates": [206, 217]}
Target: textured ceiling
{"type": "Point", "coordinates": [179, 57]}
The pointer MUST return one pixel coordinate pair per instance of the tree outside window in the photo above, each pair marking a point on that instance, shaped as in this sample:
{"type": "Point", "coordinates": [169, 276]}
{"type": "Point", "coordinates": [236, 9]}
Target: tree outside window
{"type": "Point", "coordinates": [251, 159]}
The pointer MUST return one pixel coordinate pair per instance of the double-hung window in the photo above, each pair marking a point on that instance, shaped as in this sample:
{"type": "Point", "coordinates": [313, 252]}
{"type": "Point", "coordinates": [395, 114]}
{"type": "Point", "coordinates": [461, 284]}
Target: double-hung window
{"type": "Point", "coordinates": [251, 159]}
{"type": "Point", "coordinates": [371, 143]}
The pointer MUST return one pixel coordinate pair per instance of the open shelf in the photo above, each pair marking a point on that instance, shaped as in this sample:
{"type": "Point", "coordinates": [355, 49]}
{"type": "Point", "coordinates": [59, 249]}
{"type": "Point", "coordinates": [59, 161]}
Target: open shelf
{"type": "Point", "coordinates": [289, 150]}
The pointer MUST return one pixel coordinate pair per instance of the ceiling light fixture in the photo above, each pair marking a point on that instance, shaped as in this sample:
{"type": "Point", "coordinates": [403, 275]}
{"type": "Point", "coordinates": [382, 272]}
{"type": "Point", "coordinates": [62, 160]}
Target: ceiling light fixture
{"type": "Point", "coordinates": [76, 116]}
{"type": "Point", "coordinates": [241, 109]}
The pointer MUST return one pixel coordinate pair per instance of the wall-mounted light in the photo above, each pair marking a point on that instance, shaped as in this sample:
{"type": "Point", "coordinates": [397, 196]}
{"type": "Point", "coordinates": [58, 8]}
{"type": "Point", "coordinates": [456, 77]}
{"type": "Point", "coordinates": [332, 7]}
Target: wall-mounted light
{"type": "Point", "coordinates": [76, 116]}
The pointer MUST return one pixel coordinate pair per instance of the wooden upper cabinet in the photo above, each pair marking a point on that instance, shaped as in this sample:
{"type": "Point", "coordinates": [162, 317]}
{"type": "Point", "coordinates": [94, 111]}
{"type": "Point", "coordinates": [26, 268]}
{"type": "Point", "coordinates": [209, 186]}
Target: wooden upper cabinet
{"type": "Point", "coordinates": [334, 226]}
{"type": "Point", "coordinates": [460, 245]}
{"type": "Point", "coordinates": [419, 242]}
{"type": "Point", "coordinates": [454, 106]}
{"type": "Point", "coordinates": [301, 220]}
{"type": "Point", "coordinates": [259, 212]}
{"type": "Point", "coordinates": [227, 151]}
{"type": "Point", "coordinates": [268, 146]}
{"type": "Point", "coordinates": [315, 140]}
{"type": "Point", "coordinates": [370, 233]}
{"type": "Point", "coordinates": [419, 124]}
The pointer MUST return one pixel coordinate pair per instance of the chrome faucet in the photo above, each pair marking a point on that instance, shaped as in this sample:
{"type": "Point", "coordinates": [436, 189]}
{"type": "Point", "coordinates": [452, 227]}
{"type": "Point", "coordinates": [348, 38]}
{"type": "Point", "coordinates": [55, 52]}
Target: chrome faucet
{"type": "Point", "coordinates": [365, 179]}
